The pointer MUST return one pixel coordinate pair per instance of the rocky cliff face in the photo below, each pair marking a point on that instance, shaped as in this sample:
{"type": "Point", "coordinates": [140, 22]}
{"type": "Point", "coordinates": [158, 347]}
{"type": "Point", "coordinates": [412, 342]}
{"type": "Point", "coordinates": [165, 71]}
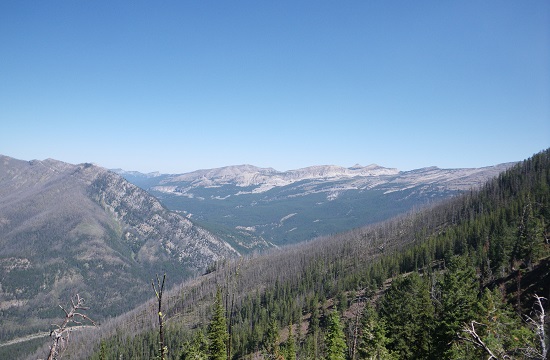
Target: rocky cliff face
{"type": "Point", "coordinates": [358, 177]}
{"type": "Point", "coordinates": [267, 178]}
{"type": "Point", "coordinates": [151, 230]}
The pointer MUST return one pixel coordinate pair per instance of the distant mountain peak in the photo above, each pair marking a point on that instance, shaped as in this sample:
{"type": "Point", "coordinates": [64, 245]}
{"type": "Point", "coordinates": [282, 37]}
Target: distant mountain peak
{"type": "Point", "coordinates": [136, 173]}
{"type": "Point", "coordinates": [267, 178]}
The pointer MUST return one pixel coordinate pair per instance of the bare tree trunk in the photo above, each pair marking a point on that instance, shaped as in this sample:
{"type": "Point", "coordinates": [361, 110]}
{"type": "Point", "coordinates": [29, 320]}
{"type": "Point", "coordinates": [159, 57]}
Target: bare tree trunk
{"type": "Point", "coordinates": [159, 288]}
{"type": "Point", "coordinates": [538, 324]}
{"type": "Point", "coordinates": [355, 335]}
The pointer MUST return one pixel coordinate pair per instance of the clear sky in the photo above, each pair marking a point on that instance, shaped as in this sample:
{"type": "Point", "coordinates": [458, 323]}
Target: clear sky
{"type": "Point", "coordinates": [176, 86]}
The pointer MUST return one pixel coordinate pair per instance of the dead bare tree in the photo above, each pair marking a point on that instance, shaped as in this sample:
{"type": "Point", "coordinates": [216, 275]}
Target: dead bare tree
{"type": "Point", "coordinates": [475, 339]}
{"type": "Point", "coordinates": [538, 325]}
{"type": "Point", "coordinates": [530, 351]}
{"type": "Point", "coordinates": [353, 349]}
{"type": "Point", "coordinates": [159, 288]}
{"type": "Point", "coordinates": [61, 332]}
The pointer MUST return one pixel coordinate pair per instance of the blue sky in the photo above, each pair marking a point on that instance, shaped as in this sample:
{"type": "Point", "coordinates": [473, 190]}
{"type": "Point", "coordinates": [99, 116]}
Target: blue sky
{"type": "Point", "coordinates": [176, 86]}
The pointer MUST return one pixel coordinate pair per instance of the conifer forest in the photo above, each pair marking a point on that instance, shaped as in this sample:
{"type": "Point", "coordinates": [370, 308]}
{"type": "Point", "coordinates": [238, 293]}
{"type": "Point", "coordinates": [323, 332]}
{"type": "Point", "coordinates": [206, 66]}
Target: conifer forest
{"type": "Point", "coordinates": [467, 278]}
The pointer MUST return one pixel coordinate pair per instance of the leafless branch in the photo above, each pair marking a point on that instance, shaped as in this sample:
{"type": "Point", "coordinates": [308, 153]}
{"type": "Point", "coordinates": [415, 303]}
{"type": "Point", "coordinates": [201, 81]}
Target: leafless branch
{"type": "Point", "coordinates": [61, 333]}
{"type": "Point", "coordinates": [538, 324]}
{"type": "Point", "coordinates": [475, 339]}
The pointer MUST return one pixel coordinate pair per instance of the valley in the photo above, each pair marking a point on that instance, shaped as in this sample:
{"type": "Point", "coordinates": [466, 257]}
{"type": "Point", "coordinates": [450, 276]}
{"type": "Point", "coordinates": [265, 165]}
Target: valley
{"type": "Point", "coordinates": [260, 208]}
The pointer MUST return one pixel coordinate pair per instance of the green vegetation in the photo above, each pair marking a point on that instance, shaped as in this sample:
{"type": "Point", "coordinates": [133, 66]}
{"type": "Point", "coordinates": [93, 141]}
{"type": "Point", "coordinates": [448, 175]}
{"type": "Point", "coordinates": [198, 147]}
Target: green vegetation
{"type": "Point", "coordinates": [335, 341]}
{"type": "Point", "coordinates": [450, 282]}
{"type": "Point", "coordinates": [314, 214]}
{"type": "Point", "coordinates": [217, 331]}
{"type": "Point", "coordinates": [19, 350]}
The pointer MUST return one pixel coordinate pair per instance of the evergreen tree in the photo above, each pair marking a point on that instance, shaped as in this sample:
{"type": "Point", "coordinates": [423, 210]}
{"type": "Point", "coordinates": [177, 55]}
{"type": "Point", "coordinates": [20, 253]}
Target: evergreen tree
{"type": "Point", "coordinates": [408, 313]}
{"type": "Point", "coordinates": [497, 332]}
{"type": "Point", "coordinates": [334, 339]}
{"type": "Point", "coordinates": [196, 349]}
{"type": "Point", "coordinates": [217, 331]}
{"type": "Point", "coordinates": [341, 302]}
{"type": "Point", "coordinates": [312, 339]}
{"type": "Point", "coordinates": [459, 290]}
{"type": "Point", "coordinates": [314, 319]}
{"type": "Point", "coordinates": [372, 344]}
{"type": "Point", "coordinates": [271, 339]}
{"type": "Point", "coordinates": [529, 244]}
{"type": "Point", "coordinates": [102, 351]}
{"type": "Point", "coordinates": [290, 348]}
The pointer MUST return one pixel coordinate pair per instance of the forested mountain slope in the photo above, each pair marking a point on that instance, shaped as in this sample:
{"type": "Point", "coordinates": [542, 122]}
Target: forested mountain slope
{"type": "Point", "coordinates": [409, 288]}
{"type": "Point", "coordinates": [79, 228]}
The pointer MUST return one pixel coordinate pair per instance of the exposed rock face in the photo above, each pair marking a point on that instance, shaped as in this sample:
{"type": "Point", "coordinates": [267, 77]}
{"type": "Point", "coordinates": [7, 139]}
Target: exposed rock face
{"type": "Point", "coordinates": [267, 178]}
{"type": "Point", "coordinates": [150, 230]}
{"type": "Point", "coordinates": [357, 177]}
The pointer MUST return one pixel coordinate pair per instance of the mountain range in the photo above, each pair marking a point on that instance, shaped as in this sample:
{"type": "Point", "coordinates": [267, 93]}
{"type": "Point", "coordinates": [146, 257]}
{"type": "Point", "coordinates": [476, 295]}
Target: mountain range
{"type": "Point", "coordinates": [80, 228]}
{"type": "Point", "coordinates": [261, 207]}
{"type": "Point", "coordinates": [67, 229]}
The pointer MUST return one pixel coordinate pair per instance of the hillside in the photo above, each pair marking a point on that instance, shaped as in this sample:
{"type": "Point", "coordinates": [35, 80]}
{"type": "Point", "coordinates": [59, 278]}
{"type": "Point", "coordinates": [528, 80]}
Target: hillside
{"type": "Point", "coordinates": [79, 228]}
{"type": "Point", "coordinates": [262, 207]}
{"type": "Point", "coordinates": [469, 254]}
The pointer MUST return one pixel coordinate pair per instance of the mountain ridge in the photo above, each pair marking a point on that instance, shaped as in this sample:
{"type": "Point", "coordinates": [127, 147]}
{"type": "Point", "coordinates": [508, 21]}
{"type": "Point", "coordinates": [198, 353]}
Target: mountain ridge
{"type": "Point", "coordinates": [247, 202]}
{"type": "Point", "coordinates": [68, 228]}
{"type": "Point", "coordinates": [266, 179]}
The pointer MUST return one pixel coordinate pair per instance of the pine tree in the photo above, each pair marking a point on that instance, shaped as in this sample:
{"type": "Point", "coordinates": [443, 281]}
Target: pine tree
{"type": "Point", "coordinates": [196, 349]}
{"type": "Point", "coordinates": [102, 351]}
{"type": "Point", "coordinates": [408, 313]}
{"type": "Point", "coordinates": [459, 290]}
{"type": "Point", "coordinates": [290, 351]}
{"type": "Point", "coordinates": [312, 339]}
{"type": "Point", "coordinates": [217, 331]}
{"type": "Point", "coordinates": [335, 339]}
{"type": "Point", "coordinates": [271, 339]}
{"type": "Point", "coordinates": [529, 244]}
{"type": "Point", "coordinates": [372, 344]}
{"type": "Point", "coordinates": [341, 302]}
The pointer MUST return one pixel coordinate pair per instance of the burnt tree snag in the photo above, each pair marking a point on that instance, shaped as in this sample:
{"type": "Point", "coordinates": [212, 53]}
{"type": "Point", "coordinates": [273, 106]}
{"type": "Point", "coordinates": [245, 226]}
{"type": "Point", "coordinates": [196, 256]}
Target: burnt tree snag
{"type": "Point", "coordinates": [61, 332]}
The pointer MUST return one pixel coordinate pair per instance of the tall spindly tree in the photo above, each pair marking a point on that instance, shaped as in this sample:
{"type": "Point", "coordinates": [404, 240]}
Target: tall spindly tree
{"type": "Point", "coordinates": [217, 330]}
{"type": "Point", "coordinates": [335, 340]}
{"type": "Point", "coordinates": [159, 289]}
